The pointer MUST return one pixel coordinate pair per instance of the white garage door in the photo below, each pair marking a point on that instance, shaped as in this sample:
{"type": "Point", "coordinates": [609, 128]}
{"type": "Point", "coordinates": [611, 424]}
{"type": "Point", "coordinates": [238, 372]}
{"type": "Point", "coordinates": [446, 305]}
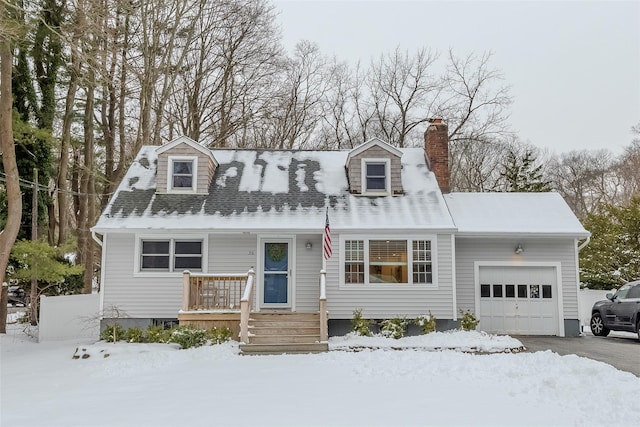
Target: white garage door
{"type": "Point", "coordinates": [518, 300]}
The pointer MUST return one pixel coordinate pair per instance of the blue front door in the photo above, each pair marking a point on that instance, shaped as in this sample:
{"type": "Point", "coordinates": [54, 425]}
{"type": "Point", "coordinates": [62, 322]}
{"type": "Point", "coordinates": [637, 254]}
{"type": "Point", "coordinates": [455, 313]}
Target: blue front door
{"type": "Point", "coordinates": [276, 271]}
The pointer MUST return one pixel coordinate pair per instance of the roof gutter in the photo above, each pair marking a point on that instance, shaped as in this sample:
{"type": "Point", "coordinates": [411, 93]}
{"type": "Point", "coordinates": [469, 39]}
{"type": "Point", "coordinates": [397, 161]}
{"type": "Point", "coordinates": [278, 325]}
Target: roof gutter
{"type": "Point", "coordinates": [585, 243]}
{"type": "Point", "coordinates": [95, 237]}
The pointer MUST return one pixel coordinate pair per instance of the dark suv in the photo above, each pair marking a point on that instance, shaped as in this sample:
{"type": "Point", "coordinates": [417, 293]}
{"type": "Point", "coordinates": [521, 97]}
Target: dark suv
{"type": "Point", "coordinates": [619, 312]}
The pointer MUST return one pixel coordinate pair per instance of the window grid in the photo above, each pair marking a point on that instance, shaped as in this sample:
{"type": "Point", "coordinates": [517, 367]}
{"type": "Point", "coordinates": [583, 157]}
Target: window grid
{"type": "Point", "coordinates": [354, 261]}
{"type": "Point", "coordinates": [422, 268]}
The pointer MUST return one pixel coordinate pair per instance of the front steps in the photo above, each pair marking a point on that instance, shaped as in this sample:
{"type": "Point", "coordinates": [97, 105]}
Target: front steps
{"type": "Point", "coordinates": [278, 333]}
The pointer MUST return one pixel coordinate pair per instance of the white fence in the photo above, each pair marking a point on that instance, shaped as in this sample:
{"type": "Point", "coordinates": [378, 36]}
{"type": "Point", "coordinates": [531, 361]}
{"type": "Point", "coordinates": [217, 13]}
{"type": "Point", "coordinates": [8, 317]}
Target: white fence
{"type": "Point", "coordinates": [586, 299]}
{"type": "Point", "coordinates": [69, 317]}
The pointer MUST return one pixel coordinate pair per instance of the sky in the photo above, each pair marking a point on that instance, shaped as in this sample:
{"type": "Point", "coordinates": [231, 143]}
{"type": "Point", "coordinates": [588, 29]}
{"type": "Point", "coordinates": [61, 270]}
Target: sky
{"type": "Point", "coordinates": [159, 385]}
{"type": "Point", "coordinates": [573, 67]}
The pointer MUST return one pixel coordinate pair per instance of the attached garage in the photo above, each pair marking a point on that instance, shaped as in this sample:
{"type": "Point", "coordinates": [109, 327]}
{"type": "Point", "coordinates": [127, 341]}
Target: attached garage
{"type": "Point", "coordinates": [519, 300]}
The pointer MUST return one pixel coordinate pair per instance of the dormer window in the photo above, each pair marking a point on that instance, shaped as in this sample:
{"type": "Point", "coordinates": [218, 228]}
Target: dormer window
{"type": "Point", "coordinates": [376, 176]}
{"type": "Point", "coordinates": [182, 173]}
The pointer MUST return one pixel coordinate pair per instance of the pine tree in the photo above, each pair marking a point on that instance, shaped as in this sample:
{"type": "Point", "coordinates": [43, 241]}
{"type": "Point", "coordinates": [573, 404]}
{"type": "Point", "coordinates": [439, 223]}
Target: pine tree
{"type": "Point", "coordinates": [521, 174]}
{"type": "Point", "coordinates": [612, 257]}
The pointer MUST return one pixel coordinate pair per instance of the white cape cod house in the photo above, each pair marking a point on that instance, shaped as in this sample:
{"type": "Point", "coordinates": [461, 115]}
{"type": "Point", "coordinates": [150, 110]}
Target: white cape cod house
{"type": "Point", "coordinates": [230, 237]}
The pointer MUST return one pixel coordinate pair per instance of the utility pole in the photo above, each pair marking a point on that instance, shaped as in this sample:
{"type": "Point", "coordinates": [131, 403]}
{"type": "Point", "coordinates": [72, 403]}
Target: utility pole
{"type": "Point", "coordinates": [34, 236]}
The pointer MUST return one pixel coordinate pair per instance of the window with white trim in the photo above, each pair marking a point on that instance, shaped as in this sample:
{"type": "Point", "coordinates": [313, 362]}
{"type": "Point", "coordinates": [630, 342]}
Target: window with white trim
{"type": "Point", "coordinates": [354, 261]}
{"type": "Point", "coordinates": [170, 255]}
{"type": "Point", "coordinates": [422, 268]}
{"type": "Point", "coordinates": [376, 178]}
{"type": "Point", "coordinates": [388, 261]}
{"type": "Point", "coordinates": [182, 173]}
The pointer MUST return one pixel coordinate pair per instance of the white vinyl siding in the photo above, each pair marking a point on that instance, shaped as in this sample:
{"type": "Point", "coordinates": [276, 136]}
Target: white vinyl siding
{"type": "Point", "coordinates": [384, 301]}
{"type": "Point", "coordinates": [308, 266]}
{"type": "Point", "coordinates": [143, 296]}
{"type": "Point", "coordinates": [470, 250]}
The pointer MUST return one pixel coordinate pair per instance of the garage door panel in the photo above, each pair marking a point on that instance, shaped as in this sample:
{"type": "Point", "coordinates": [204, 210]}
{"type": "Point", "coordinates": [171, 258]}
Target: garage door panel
{"type": "Point", "coordinates": [518, 300]}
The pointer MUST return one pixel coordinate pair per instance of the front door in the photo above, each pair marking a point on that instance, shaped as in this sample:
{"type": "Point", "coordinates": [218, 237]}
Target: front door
{"type": "Point", "coordinates": [276, 273]}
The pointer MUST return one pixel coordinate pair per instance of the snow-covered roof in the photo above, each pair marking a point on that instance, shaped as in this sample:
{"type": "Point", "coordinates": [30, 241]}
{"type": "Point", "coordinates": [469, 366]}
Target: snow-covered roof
{"type": "Point", "coordinates": [277, 190]}
{"type": "Point", "coordinates": [513, 213]}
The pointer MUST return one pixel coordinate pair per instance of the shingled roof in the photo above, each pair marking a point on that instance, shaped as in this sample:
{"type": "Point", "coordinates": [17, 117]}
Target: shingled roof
{"type": "Point", "coordinates": [276, 190]}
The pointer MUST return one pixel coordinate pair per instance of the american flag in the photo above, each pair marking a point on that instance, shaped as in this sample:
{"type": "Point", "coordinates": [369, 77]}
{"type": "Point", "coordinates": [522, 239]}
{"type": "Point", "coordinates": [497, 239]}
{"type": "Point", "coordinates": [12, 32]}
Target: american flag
{"type": "Point", "coordinates": [326, 239]}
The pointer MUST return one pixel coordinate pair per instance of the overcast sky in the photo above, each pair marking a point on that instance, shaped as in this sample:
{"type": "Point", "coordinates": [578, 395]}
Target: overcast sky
{"type": "Point", "coordinates": [573, 67]}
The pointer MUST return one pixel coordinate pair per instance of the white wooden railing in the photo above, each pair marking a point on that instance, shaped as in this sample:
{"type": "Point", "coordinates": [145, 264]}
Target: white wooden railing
{"type": "Point", "coordinates": [324, 331]}
{"type": "Point", "coordinates": [246, 302]}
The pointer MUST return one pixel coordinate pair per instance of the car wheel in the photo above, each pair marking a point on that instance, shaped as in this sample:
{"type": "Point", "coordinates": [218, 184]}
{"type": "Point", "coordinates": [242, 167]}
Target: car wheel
{"type": "Point", "coordinates": [597, 326]}
{"type": "Point", "coordinates": [638, 330]}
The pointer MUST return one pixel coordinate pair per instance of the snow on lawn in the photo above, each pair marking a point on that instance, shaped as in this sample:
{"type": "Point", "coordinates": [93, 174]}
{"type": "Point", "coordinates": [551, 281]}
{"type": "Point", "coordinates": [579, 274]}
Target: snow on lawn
{"type": "Point", "coordinates": [158, 385]}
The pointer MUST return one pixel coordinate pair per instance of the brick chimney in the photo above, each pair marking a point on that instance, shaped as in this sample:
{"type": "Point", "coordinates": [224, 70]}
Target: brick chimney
{"type": "Point", "coordinates": [436, 145]}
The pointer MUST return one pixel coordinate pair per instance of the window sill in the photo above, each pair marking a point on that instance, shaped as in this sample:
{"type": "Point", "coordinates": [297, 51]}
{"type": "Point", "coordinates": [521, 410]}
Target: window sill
{"type": "Point", "coordinates": [387, 286]}
{"type": "Point", "coordinates": [169, 274]}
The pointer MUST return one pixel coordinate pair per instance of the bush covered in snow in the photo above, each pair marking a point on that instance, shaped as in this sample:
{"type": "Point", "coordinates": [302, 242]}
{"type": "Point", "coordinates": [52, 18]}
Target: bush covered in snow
{"type": "Point", "coordinates": [361, 326]}
{"type": "Point", "coordinates": [185, 336]}
{"type": "Point", "coordinates": [468, 320]}
{"type": "Point", "coordinates": [426, 323]}
{"type": "Point", "coordinates": [394, 328]}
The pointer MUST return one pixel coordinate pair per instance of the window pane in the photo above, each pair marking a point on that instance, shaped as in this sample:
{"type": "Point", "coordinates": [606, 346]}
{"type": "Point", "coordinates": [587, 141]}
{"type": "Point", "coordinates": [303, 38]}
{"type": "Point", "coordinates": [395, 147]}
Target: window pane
{"type": "Point", "coordinates": [388, 252]}
{"type": "Point", "coordinates": [546, 291]}
{"type": "Point", "coordinates": [522, 291]}
{"type": "Point", "coordinates": [182, 181]}
{"type": "Point", "coordinates": [188, 247]}
{"type": "Point", "coordinates": [155, 262]}
{"type": "Point", "coordinates": [191, 263]}
{"type": "Point", "coordinates": [497, 291]}
{"type": "Point", "coordinates": [354, 272]}
{"type": "Point", "coordinates": [354, 250]}
{"type": "Point", "coordinates": [485, 291]}
{"type": "Point", "coordinates": [375, 169]}
{"type": "Point", "coordinates": [155, 247]}
{"type": "Point", "coordinates": [534, 291]}
{"type": "Point", "coordinates": [388, 261]}
{"type": "Point", "coordinates": [183, 167]}
{"type": "Point", "coordinates": [510, 291]}
{"type": "Point", "coordinates": [376, 183]}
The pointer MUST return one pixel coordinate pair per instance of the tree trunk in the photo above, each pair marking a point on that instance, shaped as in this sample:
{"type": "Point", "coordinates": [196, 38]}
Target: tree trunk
{"type": "Point", "coordinates": [12, 185]}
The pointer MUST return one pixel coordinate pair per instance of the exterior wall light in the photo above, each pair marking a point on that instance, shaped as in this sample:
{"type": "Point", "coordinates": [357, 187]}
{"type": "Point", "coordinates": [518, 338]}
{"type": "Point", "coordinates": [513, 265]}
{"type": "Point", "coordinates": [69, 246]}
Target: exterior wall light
{"type": "Point", "coordinates": [308, 245]}
{"type": "Point", "coordinates": [519, 249]}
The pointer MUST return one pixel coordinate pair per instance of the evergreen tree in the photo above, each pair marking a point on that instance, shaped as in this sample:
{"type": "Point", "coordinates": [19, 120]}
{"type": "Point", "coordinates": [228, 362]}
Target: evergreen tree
{"type": "Point", "coordinates": [612, 257]}
{"type": "Point", "coordinates": [521, 174]}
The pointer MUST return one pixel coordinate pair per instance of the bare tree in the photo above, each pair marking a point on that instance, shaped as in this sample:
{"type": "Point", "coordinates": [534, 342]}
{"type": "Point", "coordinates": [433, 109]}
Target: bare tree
{"type": "Point", "coordinates": [404, 92]}
{"type": "Point", "coordinates": [584, 179]}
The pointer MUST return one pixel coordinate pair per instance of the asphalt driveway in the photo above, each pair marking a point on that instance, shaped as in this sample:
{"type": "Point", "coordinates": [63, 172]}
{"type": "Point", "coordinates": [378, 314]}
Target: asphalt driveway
{"type": "Point", "coordinates": [618, 349]}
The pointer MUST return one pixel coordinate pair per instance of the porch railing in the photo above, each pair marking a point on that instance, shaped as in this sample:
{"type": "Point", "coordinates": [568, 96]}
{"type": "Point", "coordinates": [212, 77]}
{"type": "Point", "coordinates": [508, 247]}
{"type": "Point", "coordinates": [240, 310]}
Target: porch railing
{"type": "Point", "coordinates": [201, 291]}
{"type": "Point", "coordinates": [246, 303]}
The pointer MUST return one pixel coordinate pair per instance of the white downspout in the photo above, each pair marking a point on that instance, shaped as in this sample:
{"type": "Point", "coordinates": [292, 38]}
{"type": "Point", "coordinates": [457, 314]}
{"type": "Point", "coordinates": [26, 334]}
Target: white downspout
{"type": "Point", "coordinates": [585, 243]}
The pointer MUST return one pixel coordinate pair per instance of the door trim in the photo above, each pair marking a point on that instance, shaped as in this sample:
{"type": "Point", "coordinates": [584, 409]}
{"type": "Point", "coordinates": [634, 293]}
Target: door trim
{"type": "Point", "coordinates": [291, 282]}
{"type": "Point", "coordinates": [558, 290]}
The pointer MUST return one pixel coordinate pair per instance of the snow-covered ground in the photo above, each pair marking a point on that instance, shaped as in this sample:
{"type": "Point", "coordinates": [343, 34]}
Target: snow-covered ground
{"type": "Point", "coordinates": [386, 382]}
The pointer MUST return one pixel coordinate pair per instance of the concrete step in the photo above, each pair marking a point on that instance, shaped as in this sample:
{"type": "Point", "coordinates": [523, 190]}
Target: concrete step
{"type": "Point", "coordinates": [288, 348]}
